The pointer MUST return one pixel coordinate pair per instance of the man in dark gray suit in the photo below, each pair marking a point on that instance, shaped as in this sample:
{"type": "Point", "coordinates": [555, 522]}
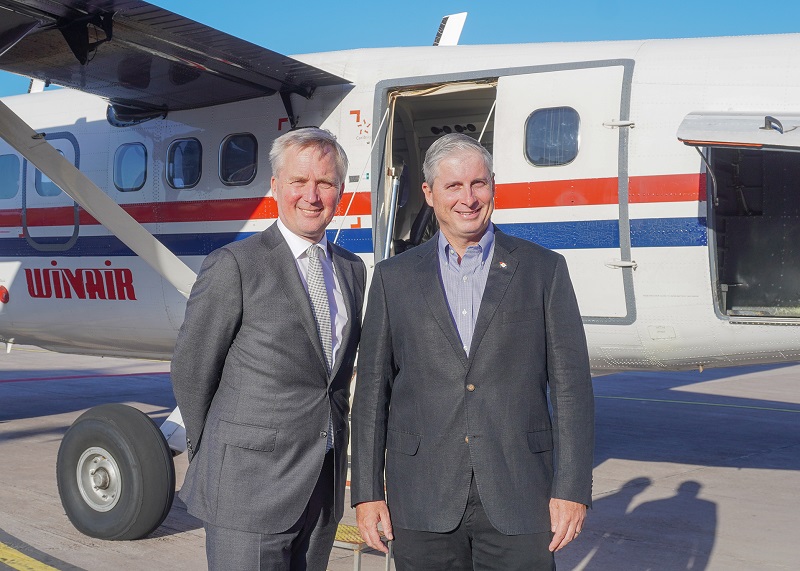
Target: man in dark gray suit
{"type": "Point", "coordinates": [463, 338]}
{"type": "Point", "coordinates": [262, 371]}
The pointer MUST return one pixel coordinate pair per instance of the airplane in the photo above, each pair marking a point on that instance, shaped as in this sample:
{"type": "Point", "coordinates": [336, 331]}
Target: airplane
{"type": "Point", "coordinates": [663, 170]}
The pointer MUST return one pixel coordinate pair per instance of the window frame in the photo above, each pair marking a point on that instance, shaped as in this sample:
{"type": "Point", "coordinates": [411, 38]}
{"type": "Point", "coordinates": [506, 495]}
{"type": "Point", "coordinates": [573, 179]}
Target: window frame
{"type": "Point", "coordinates": [19, 177]}
{"type": "Point", "coordinates": [37, 181]}
{"type": "Point", "coordinates": [577, 138]}
{"type": "Point", "coordinates": [114, 166]}
{"type": "Point", "coordinates": [170, 178]}
{"type": "Point", "coordinates": [222, 146]}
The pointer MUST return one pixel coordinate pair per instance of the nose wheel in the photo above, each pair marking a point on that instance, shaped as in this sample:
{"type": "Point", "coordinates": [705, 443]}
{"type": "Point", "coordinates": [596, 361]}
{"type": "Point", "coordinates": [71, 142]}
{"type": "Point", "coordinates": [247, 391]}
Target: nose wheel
{"type": "Point", "coordinates": [115, 474]}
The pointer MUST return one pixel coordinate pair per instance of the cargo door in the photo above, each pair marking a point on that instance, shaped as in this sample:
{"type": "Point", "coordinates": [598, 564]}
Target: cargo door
{"type": "Point", "coordinates": [560, 150]}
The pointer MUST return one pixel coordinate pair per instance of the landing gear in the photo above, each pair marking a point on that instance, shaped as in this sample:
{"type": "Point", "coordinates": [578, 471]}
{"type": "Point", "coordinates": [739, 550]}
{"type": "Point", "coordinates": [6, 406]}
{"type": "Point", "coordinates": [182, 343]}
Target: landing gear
{"type": "Point", "coordinates": [115, 473]}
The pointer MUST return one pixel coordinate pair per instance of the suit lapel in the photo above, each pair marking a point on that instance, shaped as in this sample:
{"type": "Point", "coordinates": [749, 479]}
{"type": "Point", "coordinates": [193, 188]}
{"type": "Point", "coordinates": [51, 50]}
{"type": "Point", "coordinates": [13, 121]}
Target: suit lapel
{"type": "Point", "coordinates": [286, 274]}
{"type": "Point", "coordinates": [433, 292]}
{"type": "Point", "coordinates": [346, 277]}
{"type": "Point", "coordinates": [501, 271]}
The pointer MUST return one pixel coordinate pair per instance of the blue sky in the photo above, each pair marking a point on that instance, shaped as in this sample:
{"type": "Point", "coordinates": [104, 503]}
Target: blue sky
{"type": "Point", "coordinates": [292, 27]}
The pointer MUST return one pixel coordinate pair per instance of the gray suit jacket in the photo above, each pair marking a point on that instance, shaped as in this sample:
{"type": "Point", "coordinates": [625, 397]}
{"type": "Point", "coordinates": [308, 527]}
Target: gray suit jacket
{"type": "Point", "coordinates": [439, 414]}
{"type": "Point", "coordinates": [250, 379]}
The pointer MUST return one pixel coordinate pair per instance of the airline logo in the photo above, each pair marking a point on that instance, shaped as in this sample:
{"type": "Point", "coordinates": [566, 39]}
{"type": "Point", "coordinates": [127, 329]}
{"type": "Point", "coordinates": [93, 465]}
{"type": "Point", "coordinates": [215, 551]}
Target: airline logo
{"type": "Point", "coordinates": [114, 284]}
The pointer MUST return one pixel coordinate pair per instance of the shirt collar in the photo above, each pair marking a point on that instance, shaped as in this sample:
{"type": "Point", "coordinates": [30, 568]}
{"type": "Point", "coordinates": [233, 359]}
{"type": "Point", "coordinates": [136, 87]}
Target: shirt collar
{"type": "Point", "coordinates": [299, 245]}
{"type": "Point", "coordinates": [485, 243]}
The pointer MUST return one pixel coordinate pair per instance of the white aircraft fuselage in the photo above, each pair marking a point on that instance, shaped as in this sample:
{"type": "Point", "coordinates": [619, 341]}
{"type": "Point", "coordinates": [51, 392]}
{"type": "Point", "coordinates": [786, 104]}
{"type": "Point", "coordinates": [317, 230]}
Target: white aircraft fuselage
{"type": "Point", "coordinates": [673, 268]}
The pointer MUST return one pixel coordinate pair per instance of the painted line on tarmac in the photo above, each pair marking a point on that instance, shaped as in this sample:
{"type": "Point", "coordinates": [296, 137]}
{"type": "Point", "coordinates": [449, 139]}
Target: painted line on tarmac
{"type": "Point", "coordinates": [91, 376]}
{"type": "Point", "coordinates": [23, 557]}
{"type": "Point", "coordinates": [700, 403]}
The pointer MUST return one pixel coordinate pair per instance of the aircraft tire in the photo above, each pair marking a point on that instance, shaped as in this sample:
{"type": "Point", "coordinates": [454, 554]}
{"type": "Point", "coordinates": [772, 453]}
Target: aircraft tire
{"type": "Point", "coordinates": [115, 473]}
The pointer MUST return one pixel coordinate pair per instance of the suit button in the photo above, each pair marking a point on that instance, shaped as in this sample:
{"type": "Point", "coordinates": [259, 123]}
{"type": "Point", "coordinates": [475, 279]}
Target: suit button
{"type": "Point", "coordinates": [466, 439]}
{"type": "Point", "coordinates": [470, 387]}
{"type": "Point", "coordinates": [323, 434]}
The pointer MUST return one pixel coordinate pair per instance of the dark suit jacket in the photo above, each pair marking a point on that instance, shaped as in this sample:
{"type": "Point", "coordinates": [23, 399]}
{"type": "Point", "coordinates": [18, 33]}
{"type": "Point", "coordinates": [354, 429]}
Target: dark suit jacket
{"type": "Point", "coordinates": [413, 399]}
{"type": "Point", "coordinates": [250, 379]}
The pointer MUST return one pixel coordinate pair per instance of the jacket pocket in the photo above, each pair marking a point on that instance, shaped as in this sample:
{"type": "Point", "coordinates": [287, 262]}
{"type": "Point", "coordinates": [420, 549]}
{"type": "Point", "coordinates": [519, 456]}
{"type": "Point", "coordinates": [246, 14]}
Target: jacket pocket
{"type": "Point", "coordinates": [540, 441]}
{"type": "Point", "coordinates": [520, 315]}
{"type": "Point", "coordinates": [402, 442]}
{"type": "Point", "coordinates": [248, 436]}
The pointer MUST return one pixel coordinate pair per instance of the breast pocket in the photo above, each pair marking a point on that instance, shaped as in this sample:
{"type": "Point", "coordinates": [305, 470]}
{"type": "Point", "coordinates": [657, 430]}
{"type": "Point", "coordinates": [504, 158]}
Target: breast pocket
{"type": "Point", "coordinates": [521, 315]}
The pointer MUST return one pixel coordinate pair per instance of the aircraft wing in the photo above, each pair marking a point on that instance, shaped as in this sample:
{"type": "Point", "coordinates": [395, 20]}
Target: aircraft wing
{"type": "Point", "coordinates": [143, 57]}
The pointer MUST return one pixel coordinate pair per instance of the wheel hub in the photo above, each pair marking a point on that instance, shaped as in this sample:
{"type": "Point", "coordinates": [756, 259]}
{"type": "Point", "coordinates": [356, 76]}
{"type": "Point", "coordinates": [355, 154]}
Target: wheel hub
{"type": "Point", "coordinates": [99, 479]}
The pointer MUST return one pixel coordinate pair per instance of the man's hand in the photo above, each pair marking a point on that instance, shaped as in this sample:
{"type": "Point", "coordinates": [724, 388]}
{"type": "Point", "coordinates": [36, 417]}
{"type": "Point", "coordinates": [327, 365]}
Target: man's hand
{"type": "Point", "coordinates": [566, 521]}
{"type": "Point", "coordinates": [368, 514]}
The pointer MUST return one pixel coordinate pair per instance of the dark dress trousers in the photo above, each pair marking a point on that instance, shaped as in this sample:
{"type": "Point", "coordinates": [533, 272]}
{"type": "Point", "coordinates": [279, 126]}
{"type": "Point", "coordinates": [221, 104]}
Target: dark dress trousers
{"type": "Point", "coordinates": [432, 415]}
{"type": "Point", "coordinates": [250, 379]}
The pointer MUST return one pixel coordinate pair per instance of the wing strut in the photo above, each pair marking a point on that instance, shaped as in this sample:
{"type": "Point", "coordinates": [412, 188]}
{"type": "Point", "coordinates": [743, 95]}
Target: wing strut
{"type": "Point", "coordinates": [47, 159]}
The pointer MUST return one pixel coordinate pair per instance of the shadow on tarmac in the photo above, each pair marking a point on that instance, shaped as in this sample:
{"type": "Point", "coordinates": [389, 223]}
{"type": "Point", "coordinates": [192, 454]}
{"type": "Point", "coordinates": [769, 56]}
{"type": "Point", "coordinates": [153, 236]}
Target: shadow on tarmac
{"type": "Point", "coordinates": [685, 544]}
{"type": "Point", "coordinates": [71, 391]}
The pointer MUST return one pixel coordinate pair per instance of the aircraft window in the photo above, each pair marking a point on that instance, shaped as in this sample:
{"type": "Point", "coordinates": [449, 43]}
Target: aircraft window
{"type": "Point", "coordinates": [238, 156]}
{"type": "Point", "coordinates": [183, 163]}
{"type": "Point", "coordinates": [9, 176]}
{"type": "Point", "coordinates": [130, 167]}
{"type": "Point", "coordinates": [552, 136]}
{"type": "Point", "coordinates": [45, 186]}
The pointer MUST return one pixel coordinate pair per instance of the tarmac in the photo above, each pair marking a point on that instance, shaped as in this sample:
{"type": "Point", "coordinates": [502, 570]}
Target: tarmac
{"type": "Point", "coordinates": [693, 470]}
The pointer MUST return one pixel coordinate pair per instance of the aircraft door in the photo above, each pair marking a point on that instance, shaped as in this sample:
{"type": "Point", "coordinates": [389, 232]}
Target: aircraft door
{"type": "Point", "coordinates": [560, 151]}
{"type": "Point", "coordinates": [50, 218]}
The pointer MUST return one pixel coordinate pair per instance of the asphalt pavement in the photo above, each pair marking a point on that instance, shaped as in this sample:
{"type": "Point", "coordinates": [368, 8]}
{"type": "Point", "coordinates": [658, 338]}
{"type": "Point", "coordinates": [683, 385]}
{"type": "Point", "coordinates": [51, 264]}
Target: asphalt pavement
{"type": "Point", "coordinates": [693, 470]}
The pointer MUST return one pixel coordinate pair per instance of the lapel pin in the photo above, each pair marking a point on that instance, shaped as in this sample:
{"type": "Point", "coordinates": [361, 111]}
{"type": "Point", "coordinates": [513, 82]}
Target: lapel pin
{"type": "Point", "coordinates": [503, 264]}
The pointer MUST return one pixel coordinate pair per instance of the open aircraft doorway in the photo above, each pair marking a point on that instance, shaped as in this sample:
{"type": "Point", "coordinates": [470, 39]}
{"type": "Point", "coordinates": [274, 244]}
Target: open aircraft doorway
{"type": "Point", "coordinates": [753, 211]}
{"type": "Point", "coordinates": [417, 117]}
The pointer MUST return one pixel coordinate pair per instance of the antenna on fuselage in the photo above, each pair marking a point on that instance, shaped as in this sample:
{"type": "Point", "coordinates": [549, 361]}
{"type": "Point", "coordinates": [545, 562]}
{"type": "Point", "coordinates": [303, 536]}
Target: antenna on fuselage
{"type": "Point", "coordinates": [450, 30]}
{"type": "Point", "coordinates": [37, 85]}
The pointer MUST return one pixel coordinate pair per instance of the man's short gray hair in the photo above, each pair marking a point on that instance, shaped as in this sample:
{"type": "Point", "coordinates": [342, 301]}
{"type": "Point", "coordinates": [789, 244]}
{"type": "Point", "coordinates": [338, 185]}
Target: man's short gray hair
{"type": "Point", "coordinates": [308, 137]}
{"type": "Point", "coordinates": [447, 145]}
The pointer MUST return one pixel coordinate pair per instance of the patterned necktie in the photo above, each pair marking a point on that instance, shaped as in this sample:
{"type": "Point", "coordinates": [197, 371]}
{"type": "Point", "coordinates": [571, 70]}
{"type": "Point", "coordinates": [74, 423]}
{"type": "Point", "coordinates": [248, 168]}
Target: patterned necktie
{"type": "Point", "coordinates": [318, 294]}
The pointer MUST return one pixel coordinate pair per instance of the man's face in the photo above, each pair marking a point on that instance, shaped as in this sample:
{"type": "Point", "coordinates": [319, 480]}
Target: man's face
{"type": "Point", "coordinates": [462, 198]}
{"type": "Point", "coordinates": [307, 190]}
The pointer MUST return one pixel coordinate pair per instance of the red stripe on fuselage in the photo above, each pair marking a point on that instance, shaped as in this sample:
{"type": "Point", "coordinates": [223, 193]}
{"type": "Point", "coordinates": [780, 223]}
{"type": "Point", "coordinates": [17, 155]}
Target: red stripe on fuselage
{"type": "Point", "coordinates": [556, 193]}
{"type": "Point", "coordinates": [194, 211]}
{"type": "Point", "coordinates": [593, 191]}
{"type": "Point", "coordinates": [667, 188]}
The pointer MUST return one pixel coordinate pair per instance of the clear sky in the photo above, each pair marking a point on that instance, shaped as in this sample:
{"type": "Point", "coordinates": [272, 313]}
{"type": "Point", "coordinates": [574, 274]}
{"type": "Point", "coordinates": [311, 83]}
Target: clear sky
{"type": "Point", "coordinates": [293, 26]}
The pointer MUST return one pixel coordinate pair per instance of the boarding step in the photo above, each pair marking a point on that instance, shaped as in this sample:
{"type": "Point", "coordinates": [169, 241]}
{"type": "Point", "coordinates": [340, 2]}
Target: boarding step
{"type": "Point", "coordinates": [348, 537]}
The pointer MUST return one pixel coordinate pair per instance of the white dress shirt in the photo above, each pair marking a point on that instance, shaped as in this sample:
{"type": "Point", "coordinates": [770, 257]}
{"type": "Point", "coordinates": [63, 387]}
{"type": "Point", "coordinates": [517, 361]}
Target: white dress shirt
{"type": "Point", "coordinates": [298, 246]}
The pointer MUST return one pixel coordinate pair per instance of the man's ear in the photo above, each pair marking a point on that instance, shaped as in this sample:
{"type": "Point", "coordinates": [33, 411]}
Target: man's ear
{"type": "Point", "coordinates": [428, 192]}
{"type": "Point", "coordinates": [273, 183]}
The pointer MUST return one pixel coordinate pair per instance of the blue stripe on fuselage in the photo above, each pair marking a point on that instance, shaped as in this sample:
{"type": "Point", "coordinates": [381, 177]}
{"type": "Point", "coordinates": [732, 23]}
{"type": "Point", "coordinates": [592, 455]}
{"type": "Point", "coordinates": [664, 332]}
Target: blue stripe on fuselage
{"type": "Point", "coordinates": [645, 233]}
{"type": "Point", "coordinates": [649, 232]}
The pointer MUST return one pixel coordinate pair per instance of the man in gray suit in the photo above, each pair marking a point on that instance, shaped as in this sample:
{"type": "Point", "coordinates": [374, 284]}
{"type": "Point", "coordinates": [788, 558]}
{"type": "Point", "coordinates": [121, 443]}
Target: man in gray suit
{"type": "Point", "coordinates": [463, 338]}
{"type": "Point", "coordinates": [262, 371]}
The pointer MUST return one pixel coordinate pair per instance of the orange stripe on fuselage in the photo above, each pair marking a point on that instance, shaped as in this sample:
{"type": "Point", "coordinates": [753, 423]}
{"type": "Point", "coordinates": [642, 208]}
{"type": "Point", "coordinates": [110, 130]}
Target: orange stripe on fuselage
{"type": "Point", "coordinates": [594, 191]}
{"type": "Point", "coordinates": [578, 192]}
{"type": "Point", "coordinates": [189, 211]}
{"type": "Point", "coordinates": [667, 188]}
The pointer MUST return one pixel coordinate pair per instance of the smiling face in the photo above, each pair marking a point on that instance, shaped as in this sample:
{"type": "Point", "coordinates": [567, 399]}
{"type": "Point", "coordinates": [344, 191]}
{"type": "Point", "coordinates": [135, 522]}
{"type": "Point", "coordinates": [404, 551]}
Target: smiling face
{"type": "Point", "coordinates": [307, 190]}
{"type": "Point", "coordinates": [462, 197]}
